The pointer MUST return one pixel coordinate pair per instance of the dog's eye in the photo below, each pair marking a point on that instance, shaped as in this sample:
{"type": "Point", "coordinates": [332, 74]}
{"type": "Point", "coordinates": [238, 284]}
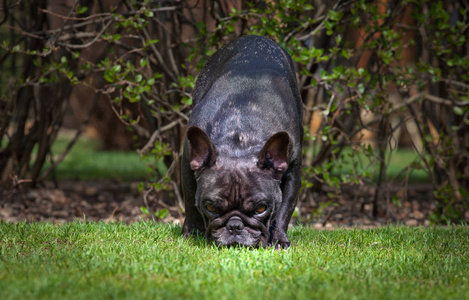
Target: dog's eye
{"type": "Point", "coordinates": [260, 209]}
{"type": "Point", "coordinates": [211, 208]}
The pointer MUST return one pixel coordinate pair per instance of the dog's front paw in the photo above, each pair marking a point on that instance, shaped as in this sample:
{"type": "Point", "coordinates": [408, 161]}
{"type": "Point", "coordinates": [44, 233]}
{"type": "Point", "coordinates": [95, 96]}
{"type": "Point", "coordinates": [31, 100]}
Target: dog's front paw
{"type": "Point", "coordinates": [279, 240]}
{"type": "Point", "coordinates": [190, 230]}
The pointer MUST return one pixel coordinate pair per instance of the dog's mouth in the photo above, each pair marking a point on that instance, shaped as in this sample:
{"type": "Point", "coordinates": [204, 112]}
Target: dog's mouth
{"type": "Point", "coordinates": [247, 237]}
{"type": "Point", "coordinates": [236, 229]}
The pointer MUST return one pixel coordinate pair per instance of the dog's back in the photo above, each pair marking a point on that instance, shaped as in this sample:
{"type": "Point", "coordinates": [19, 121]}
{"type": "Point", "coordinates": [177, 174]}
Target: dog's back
{"type": "Point", "coordinates": [248, 53]}
{"type": "Point", "coordinates": [248, 90]}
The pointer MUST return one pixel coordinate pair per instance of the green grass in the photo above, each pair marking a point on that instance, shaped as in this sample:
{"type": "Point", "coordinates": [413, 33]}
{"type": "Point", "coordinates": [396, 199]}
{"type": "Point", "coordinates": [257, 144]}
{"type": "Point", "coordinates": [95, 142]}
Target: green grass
{"type": "Point", "coordinates": [146, 260]}
{"type": "Point", "coordinates": [86, 162]}
{"type": "Point", "coordinates": [401, 159]}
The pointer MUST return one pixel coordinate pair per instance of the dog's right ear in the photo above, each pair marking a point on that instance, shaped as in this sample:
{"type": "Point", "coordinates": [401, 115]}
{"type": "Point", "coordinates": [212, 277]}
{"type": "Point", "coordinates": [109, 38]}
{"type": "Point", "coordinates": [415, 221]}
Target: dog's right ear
{"type": "Point", "coordinates": [202, 151]}
{"type": "Point", "coordinates": [274, 155]}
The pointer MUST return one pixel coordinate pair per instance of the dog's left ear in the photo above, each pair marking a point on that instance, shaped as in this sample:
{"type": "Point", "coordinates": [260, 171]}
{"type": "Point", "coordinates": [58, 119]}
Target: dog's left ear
{"type": "Point", "coordinates": [274, 154]}
{"type": "Point", "coordinates": [202, 151]}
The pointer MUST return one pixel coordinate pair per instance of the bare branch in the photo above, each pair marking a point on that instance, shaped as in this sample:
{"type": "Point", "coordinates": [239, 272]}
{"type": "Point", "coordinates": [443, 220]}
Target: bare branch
{"type": "Point", "coordinates": [72, 142]}
{"type": "Point", "coordinates": [3, 11]}
{"type": "Point", "coordinates": [447, 102]}
{"type": "Point", "coordinates": [156, 135]}
{"type": "Point", "coordinates": [95, 16]}
{"type": "Point", "coordinates": [89, 43]}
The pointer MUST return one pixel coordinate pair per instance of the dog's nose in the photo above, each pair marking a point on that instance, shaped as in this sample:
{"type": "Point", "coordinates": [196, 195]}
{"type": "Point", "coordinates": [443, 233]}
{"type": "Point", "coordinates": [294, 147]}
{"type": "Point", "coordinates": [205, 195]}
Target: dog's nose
{"type": "Point", "coordinates": [235, 225]}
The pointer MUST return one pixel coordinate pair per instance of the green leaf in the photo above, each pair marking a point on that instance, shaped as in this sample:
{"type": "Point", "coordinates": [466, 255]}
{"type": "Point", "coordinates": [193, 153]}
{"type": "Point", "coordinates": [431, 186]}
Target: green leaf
{"type": "Point", "coordinates": [161, 214]}
{"type": "Point", "coordinates": [81, 9]}
{"type": "Point", "coordinates": [346, 53]}
{"type": "Point", "coordinates": [458, 110]}
{"type": "Point", "coordinates": [361, 88]}
{"type": "Point", "coordinates": [150, 42]}
{"type": "Point", "coordinates": [396, 201]}
{"type": "Point", "coordinates": [186, 100]}
{"type": "Point", "coordinates": [149, 14]}
{"type": "Point", "coordinates": [109, 76]}
{"type": "Point", "coordinates": [144, 210]}
{"type": "Point", "coordinates": [140, 188]}
{"type": "Point", "coordinates": [335, 15]}
{"type": "Point", "coordinates": [143, 61]}
{"type": "Point", "coordinates": [134, 99]}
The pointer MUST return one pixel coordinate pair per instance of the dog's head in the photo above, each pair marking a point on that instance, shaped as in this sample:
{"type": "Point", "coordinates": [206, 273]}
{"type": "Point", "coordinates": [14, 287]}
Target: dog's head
{"type": "Point", "coordinates": [238, 196]}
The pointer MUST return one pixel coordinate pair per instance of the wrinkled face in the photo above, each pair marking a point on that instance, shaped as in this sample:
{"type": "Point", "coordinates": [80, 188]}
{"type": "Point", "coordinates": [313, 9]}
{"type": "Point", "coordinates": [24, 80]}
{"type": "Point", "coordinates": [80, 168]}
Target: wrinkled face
{"type": "Point", "coordinates": [237, 196]}
{"type": "Point", "coordinates": [237, 203]}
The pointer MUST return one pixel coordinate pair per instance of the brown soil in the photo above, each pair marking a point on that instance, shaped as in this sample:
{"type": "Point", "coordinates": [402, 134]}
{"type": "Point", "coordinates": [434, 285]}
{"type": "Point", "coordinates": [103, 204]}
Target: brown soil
{"type": "Point", "coordinates": [121, 201]}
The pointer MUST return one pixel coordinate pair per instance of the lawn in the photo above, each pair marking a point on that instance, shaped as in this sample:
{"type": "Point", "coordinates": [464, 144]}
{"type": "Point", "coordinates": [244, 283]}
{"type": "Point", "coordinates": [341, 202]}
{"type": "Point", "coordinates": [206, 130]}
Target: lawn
{"type": "Point", "coordinates": [145, 260]}
{"type": "Point", "coordinates": [86, 161]}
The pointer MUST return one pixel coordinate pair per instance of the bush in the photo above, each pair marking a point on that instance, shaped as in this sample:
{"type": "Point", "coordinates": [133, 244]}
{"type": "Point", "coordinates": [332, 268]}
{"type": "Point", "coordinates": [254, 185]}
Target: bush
{"type": "Point", "coordinates": [369, 71]}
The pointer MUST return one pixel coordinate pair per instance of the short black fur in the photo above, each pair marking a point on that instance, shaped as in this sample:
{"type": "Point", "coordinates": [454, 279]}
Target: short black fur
{"type": "Point", "coordinates": [243, 146]}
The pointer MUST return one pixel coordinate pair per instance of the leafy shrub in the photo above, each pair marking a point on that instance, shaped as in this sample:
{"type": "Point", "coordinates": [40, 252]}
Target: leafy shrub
{"type": "Point", "coordinates": [365, 68]}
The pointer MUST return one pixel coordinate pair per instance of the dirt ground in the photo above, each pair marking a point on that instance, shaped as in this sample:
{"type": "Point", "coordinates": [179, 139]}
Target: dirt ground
{"type": "Point", "coordinates": [121, 201]}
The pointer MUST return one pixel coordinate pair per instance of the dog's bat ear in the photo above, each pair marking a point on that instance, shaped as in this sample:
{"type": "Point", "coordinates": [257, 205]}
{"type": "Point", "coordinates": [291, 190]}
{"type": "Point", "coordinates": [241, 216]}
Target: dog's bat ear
{"type": "Point", "coordinates": [274, 154]}
{"type": "Point", "coordinates": [202, 151]}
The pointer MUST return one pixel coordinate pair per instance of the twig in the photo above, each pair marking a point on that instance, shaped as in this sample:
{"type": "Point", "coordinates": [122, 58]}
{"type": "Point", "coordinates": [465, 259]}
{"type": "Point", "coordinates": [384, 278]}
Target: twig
{"type": "Point", "coordinates": [22, 32]}
{"type": "Point", "coordinates": [178, 197]}
{"type": "Point", "coordinates": [159, 57]}
{"type": "Point", "coordinates": [72, 142]}
{"type": "Point", "coordinates": [155, 135]}
{"type": "Point", "coordinates": [328, 216]}
{"type": "Point", "coordinates": [113, 213]}
{"type": "Point", "coordinates": [391, 111]}
{"type": "Point", "coordinates": [66, 20]}
{"type": "Point", "coordinates": [167, 105]}
{"type": "Point", "coordinates": [76, 35]}
{"type": "Point", "coordinates": [4, 9]}
{"type": "Point", "coordinates": [168, 45]}
{"type": "Point", "coordinates": [89, 43]}
{"type": "Point", "coordinates": [145, 200]}
{"type": "Point", "coordinates": [313, 33]}
{"type": "Point", "coordinates": [18, 184]}
{"type": "Point", "coordinates": [383, 133]}
{"type": "Point", "coordinates": [94, 16]}
{"type": "Point", "coordinates": [448, 102]}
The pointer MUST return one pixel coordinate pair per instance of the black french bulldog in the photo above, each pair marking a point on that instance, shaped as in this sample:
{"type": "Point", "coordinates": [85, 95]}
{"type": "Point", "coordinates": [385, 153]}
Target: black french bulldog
{"type": "Point", "coordinates": [242, 155]}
